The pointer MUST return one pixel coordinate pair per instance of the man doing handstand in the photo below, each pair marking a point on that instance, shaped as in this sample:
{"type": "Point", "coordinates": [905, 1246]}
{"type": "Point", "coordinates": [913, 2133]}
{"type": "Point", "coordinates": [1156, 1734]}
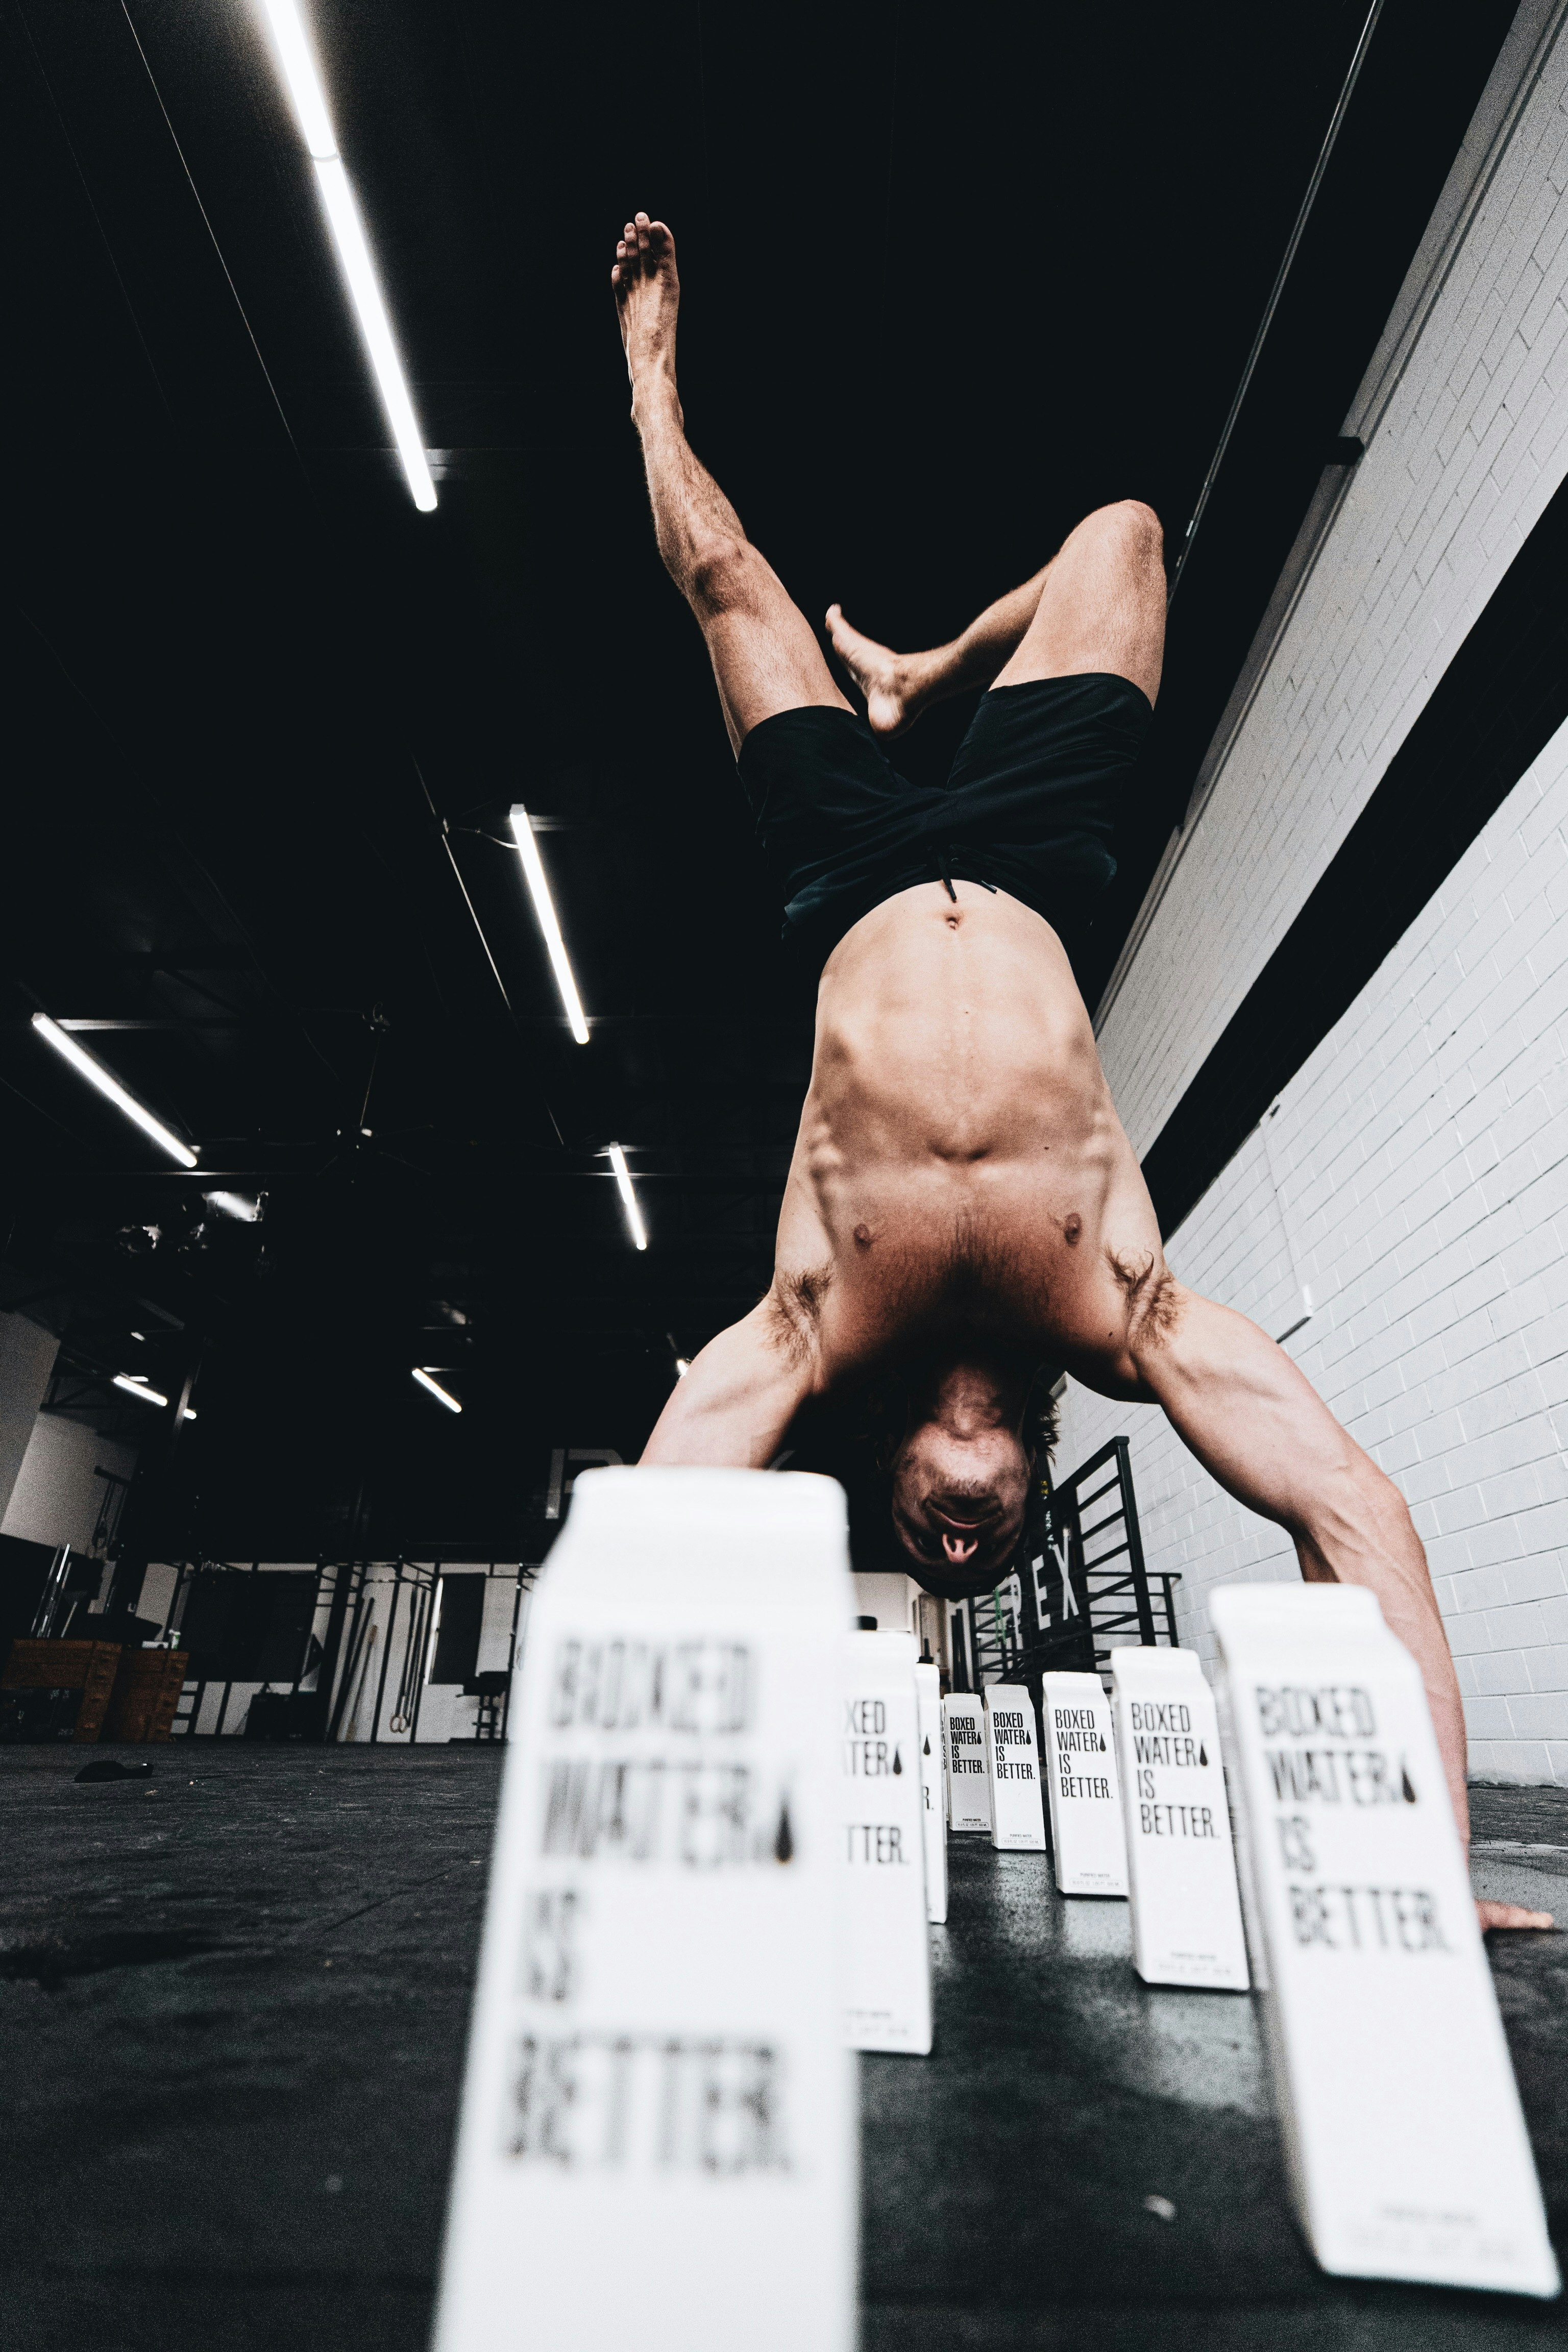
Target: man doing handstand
{"type": "Point", "coordinates": [962, 1204]}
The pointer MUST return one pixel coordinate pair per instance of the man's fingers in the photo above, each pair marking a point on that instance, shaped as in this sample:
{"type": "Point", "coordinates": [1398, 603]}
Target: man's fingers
{"type": "Point", "coordinates": [1510, 1915]}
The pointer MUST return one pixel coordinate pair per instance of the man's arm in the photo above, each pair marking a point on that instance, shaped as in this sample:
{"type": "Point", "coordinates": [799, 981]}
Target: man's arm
{"type": "Point", "coordinates": [739, 1398]}
{"type": "Point", "coordinates": [1258, 1426]}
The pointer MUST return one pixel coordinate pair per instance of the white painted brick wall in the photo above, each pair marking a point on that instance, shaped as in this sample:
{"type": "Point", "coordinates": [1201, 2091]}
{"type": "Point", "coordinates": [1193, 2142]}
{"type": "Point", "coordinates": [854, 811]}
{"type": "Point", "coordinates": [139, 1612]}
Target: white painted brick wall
{"type": "Point", "coordinates": [1415, 1175]}
{"type": "Point", "coordinates": [1469, 448]}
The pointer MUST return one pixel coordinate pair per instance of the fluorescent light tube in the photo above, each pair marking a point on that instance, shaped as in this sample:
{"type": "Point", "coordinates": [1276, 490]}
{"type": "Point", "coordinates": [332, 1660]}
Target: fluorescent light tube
{"type": "Point", "coordinates": [235, 1204]}
{"type": "Point", "coordinates": [93, 1071]}
{"type": "Point", "coordinates": [425, 1381]}
{"type": "Point", "coordinates": [139, 1389]}
{"type": "Point", "coordinates": [628, 1198]}
{"type": "Point", "coordinates": [544, 909]}
{"type": "Point", "coordinates": [297, 60]}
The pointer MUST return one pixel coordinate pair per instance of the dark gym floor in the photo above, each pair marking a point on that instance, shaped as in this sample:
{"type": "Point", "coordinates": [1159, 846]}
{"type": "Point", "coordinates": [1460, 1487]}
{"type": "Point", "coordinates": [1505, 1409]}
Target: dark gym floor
{"type": "Point", "coordinates": [234, 2000]}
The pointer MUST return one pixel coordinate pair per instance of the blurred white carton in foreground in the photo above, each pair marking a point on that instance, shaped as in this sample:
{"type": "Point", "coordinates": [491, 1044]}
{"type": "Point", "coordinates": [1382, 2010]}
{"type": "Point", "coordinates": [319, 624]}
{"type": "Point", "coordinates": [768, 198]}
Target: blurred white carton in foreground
{"type": "Point", "coordinates": [658, 2142]}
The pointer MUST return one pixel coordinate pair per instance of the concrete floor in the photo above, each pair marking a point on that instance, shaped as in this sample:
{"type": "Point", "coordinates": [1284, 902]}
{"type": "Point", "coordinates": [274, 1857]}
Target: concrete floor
{"type": "Point", "coordinates": [232, 2007]}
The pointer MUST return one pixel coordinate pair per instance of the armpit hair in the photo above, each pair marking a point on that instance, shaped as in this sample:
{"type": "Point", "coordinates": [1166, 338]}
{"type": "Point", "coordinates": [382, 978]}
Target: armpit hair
{"type": "Point", "coordinates": [1151, 1295]}
{"type": "Point", "coordinates": [794, 1302]}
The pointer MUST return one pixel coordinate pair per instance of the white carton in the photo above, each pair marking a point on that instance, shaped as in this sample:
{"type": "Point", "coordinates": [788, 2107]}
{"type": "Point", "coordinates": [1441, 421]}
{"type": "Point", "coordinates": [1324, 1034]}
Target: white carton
{"type": "Point", "coordinates": [1181, 1871]}
{"type": "Point", "coordinates": [933, 1783]}
{"type": "Point", "coordinates": [658, 2142]}
{"type": "Point", "coordinates": [1408, 2151]}
{"type": "Point", "coordinates": [1012, 1769]}
{"type": "Point", "coordinates": [968, 1784]}
{"type": "Point", "coordinates": [887, 1996]}
{"type": "Point", "coordinates": [1083, 1786]}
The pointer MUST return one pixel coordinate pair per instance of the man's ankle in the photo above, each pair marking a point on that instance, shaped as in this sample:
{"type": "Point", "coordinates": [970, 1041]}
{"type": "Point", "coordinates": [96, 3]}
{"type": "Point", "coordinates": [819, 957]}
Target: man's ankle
{"type": "Point", "coordinates": [655, 400]}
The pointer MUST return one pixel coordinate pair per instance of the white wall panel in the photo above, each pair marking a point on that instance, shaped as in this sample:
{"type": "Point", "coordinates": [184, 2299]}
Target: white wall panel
{"type": "Point", "coordinates": [1467, 426]}
{"type": "Point", "coordinates": [1415, 1176]}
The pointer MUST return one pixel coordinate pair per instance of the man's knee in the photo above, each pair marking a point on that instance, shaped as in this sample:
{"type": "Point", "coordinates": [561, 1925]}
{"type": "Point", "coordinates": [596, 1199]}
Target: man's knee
{"type": "Point", "coordinates": [721, 577]}
{"type": "Point", "coordinates": [1133, 527]}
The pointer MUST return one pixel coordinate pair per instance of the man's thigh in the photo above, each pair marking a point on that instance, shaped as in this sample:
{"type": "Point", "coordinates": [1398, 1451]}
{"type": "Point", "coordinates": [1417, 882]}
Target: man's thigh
{"type": "Point", "coordinates": [765, 652]}
{"type": "Point", "coordinates": [1103, 604]}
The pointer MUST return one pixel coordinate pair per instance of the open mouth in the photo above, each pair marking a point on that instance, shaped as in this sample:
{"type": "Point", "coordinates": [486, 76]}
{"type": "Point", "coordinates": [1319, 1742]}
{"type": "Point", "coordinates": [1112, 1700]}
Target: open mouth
{"type": "Point", "coordinates": [970, 1521]}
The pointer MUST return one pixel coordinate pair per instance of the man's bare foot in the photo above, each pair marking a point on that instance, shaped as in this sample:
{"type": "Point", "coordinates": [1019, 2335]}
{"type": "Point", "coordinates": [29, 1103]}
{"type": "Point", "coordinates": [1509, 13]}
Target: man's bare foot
{"type": "Point", "coordinates": [1510, 1915]}
{"type": "Point", "coordinates": [647, 296]}
{"type": "Point", "coordinates": [887, 679]}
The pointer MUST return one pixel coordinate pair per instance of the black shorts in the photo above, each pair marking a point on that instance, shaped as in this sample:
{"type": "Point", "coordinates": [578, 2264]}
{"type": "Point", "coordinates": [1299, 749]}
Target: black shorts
{"type": "Point", "coordinates": [1029, 807]}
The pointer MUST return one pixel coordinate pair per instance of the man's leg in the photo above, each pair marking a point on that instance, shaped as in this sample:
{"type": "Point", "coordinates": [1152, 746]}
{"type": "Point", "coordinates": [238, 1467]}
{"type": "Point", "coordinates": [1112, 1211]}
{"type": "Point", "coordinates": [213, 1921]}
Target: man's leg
{"type": "Point", "coordinates": [765, 657]}
{"type": "Point", "coordinates": [1098, 605]}
{"type": "Point", "coordinates": [1258, 1426]}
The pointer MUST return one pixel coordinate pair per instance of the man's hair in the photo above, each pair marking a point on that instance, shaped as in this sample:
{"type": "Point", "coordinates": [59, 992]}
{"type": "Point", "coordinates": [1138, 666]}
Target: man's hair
{"type": "Point", "coordinates": [877, 1429]}
{"type": "Point", "coordinates": [885, 1406]}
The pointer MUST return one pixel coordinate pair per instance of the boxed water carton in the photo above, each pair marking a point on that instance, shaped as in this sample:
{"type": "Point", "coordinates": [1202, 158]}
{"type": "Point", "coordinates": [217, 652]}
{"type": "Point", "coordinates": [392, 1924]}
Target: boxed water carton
{"type": "Point", "coordinates": [1408, 2151]}
{"type": "Point", "coordinates": [1083, 1786]}
{"type": "Point", "coordinates": [968, 1783]}
{"type": "Point", "coordinates": [655, 2062]}
{"type": "Point", "coordinates": [1181, 1869]}
{"type": "Point", "coordinates": [1012, 1769]}
{"type": "Point", "coordinates": [933, 1780]}
{"type": "Point", "coordinates": [886, 2001]}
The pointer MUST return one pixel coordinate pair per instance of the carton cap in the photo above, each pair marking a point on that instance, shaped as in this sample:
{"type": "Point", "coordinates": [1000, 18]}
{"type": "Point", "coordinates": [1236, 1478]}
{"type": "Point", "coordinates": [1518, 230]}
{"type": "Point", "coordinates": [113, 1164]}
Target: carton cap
{"type": "Point", "coordinates": [1311, 1608]}
{"type": "Point", "coordinates": [661, 1499]}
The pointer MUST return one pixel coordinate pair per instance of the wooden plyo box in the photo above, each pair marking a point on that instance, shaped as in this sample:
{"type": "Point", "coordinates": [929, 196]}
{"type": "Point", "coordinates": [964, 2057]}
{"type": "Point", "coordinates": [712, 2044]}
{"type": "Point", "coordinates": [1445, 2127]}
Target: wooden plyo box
{"type": "Point", "coordinates": [86, 1666]}
{"type": "Point", "coordinates": [147, 1693]}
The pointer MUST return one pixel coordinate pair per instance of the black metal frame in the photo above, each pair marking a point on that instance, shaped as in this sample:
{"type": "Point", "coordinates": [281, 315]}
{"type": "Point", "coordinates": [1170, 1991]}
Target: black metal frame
{"type": "Point", "coordinates": [1085, 1590]}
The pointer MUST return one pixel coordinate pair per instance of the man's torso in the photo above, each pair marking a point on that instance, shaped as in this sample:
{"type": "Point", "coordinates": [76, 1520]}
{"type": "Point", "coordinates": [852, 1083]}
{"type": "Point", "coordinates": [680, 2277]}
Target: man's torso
{"type": "Point", "coordinates": [960, 1170]}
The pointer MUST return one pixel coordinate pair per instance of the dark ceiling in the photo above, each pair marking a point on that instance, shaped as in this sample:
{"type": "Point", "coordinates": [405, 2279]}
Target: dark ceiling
{"type": "Point", "coordinates": [951, 277]}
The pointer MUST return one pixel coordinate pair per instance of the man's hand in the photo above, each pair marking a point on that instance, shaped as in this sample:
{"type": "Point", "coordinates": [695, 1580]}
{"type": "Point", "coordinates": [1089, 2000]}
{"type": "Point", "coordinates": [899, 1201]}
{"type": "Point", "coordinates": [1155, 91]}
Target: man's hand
{"type": "Point", "coordinates": [1510, 1915]}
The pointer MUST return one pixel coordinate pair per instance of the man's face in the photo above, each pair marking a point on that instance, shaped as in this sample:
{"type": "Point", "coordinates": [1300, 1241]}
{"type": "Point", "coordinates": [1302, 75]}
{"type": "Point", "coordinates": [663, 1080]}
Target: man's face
{"type": "Point", "coordinates": [958, 1506]}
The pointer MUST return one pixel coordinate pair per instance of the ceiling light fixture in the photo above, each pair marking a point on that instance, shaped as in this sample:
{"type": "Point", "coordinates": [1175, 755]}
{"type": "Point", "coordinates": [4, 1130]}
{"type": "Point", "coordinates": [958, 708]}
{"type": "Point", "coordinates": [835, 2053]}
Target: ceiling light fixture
{"type": "Point", "coordinates": [683, 1365]}
{"type": "Point", "coordinates": [93, 1071]}
{"type": "Point", "coordinates": [544, 909]}
{"type": "Point", "coordinates": [297, 59]}
{"type": "Point", "coordinates": [628, 1198]}
{"type": "Point", "coordinates": [139, 1389]}
{"type": "Point", "coordinates": [235, 1204]}
{"type": "Point", "coordinates": [425, 1381]}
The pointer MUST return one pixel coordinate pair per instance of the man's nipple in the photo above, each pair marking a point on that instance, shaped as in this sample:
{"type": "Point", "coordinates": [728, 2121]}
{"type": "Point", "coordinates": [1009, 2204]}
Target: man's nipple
{"type": "Point", "coordinates": [1073, 1228]}
{"type": "Point", "coordinates": [863, 1237]}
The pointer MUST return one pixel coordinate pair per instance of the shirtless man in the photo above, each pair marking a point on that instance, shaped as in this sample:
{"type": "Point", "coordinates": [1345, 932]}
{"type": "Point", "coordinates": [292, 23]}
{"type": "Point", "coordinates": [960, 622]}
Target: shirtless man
{"type": "Point", "coordinates": [963, 1200]}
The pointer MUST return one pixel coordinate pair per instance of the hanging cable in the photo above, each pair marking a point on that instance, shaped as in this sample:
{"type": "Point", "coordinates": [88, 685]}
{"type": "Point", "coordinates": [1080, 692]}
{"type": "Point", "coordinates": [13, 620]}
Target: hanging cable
{"type": "Point", "coordinates": [1308, 201]}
